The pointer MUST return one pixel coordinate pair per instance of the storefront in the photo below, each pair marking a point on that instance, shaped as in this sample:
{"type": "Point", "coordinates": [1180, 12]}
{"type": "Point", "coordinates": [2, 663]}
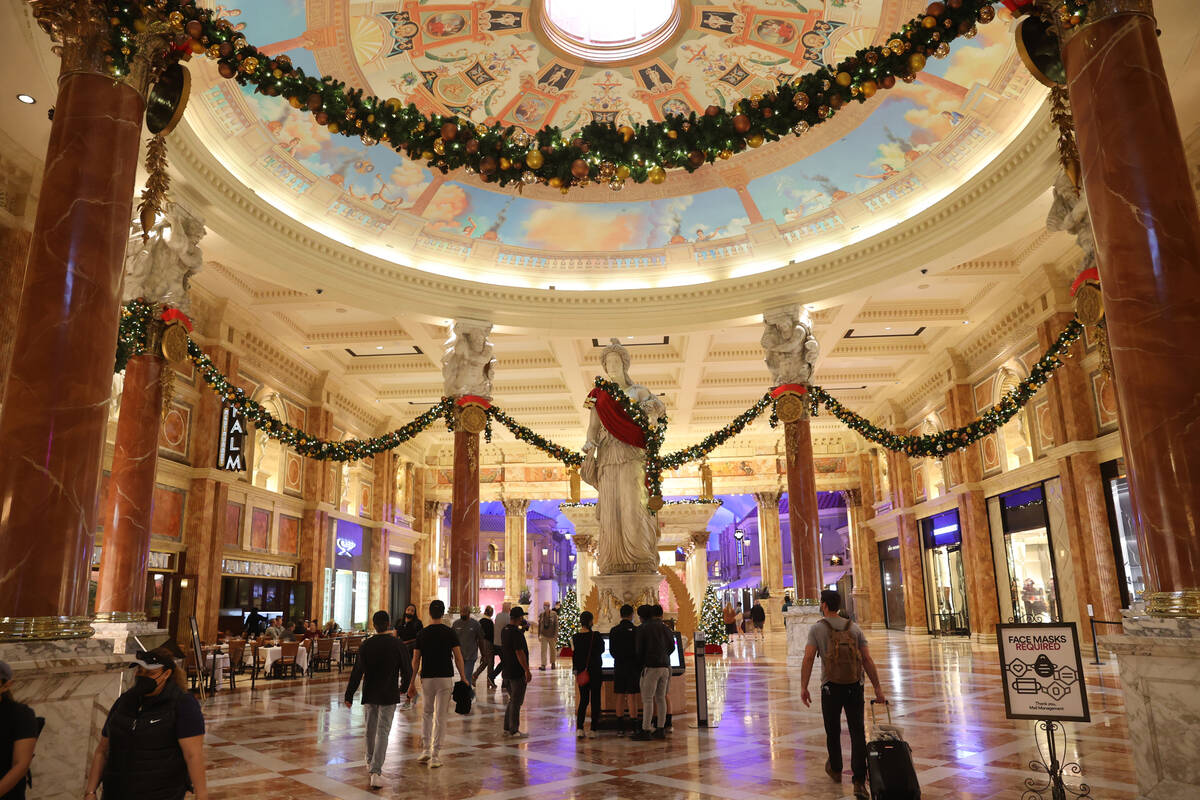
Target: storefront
{"type": "Point", "coordinates": [269, 586]}
{"type": "Point", "coordinates": [1026, 577]}
{"type": "Point", "coordinates": [162, 585]}
{"type": "Point", "coordinates": [945, 580]}
{"type": "Point", "coordinates": [893, 584]}
{"type": "Point", "coordinates": [1132, 580]}
{"type": "Point", "coordinates": [348, 581]}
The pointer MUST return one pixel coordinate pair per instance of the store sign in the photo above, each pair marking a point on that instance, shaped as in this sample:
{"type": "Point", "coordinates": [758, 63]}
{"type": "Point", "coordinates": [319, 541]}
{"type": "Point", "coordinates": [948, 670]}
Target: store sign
{"type": "Point", "coordinates": [1042, 672]}
{"type": "Point", "coordinates": [741, 553]}
{"type": "Point", "coordinates": [346, 547]}
{"type": "Point", "coordinates": [258, 569]}
{"type": "Point", "coordinates": [230, 450]}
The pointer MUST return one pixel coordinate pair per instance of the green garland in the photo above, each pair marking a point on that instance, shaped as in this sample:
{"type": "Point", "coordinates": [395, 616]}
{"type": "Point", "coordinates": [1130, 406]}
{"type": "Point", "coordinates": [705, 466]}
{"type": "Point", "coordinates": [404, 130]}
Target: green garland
{"type": "Point", "coordinates": [136, 317]}
{"type": "Point", "coordinates": [717, 438]}
{"type": "Point", "coordinates": [598, 152]}
{"type": "Point", "coordinates": [943, 443]}
{"type": "Point", "coordinates": [653, 434]}
{"type": "Point", "coordinates": [523, 434]}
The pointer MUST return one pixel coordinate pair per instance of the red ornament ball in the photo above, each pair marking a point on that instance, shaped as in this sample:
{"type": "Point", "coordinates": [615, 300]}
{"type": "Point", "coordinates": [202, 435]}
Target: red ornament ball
{"type": "Point", "coordinates": [315, 102]}
{"type": "Point", "coordinates": [579, 168]}
{"type": "Point", "coordinates": [696, 158]}
{"type": "Point", "coordinates": [226, 70]}
{"type": "Point", "coordinates": [449, 131]}
{"type": "Point", "coordinates": [935, 9]}
{"type": "Point", "coordinates": [488, 166]}
{"type": "Point", "coordinates": [741, 123]}
{"type": "Point", "coordinates": [472, 146]}
{"type": "Point", "coordinates": [321, 117]}
{"type": "Point", "coordinates": [712, 111]}
{"type": "Point", "coordinates": [195, 29]}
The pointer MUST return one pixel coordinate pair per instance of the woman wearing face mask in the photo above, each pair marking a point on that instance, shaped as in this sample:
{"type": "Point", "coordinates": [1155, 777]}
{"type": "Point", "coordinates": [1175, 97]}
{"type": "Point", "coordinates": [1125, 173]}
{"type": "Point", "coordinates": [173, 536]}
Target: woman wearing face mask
{"type": "Point", "coordinates": [152, 745]}
{"type": "Point", "coordinates": [18, 736]}
{"type": "Point", "coordinates": [406, 631]}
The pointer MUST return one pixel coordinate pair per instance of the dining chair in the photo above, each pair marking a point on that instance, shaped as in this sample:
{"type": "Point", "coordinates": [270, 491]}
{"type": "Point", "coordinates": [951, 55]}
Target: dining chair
{"type": "Point", "coordinates": [288, 659]}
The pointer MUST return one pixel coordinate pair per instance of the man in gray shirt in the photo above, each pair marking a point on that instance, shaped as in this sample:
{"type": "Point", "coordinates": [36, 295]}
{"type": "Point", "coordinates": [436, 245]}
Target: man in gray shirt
{"type": "Point", "coordinates": [470, 638]}
{"type": "Point", "coordinates": [844, 658]}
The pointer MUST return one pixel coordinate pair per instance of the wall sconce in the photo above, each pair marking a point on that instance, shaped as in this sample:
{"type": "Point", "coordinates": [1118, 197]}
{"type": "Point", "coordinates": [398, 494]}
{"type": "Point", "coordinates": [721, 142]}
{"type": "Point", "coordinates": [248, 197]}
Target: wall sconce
{"type": "Point", "coordinates": [835, 561]}
{"type": "Point", "coordinates": [183, 583]}
{"type": "Point", "coordinates": [545, 552]}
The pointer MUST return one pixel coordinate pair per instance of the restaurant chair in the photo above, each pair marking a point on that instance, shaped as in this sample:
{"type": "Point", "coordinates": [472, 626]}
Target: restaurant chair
{"type": "Point", "coordinates": [350, 650]}
{"type": "Point", "coordinates": [194, 667]}
{"type": "Point", "coordinates": [260, 661]}
{"type": "Point", "coordinates": [322, 657]}
{"type": "Point", "coordinates": [236, 649]}
{"type": "Point", "coordinates": [288, 659]}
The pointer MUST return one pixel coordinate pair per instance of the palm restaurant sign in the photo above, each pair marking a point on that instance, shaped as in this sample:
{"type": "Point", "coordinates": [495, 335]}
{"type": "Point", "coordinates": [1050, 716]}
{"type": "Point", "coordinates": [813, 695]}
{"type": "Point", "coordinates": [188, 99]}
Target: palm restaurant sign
{"type": "Point", "coordinates": [231, 454]}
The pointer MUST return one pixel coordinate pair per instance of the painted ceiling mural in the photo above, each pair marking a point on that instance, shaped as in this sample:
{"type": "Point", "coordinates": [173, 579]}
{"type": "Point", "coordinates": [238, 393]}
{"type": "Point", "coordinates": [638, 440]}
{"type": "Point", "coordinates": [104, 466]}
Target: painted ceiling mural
{"type": "Point", "coordinates": [875, 165]}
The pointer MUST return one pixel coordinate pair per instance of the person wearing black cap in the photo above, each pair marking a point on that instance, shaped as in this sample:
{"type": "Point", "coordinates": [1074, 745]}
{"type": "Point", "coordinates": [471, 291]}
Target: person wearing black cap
{"type": "Point", "coordinates": [514, 665]}
{"type": "Point", "coordinates": [152, 744]}
{"type": "Point", "coordinates": [18, 737]}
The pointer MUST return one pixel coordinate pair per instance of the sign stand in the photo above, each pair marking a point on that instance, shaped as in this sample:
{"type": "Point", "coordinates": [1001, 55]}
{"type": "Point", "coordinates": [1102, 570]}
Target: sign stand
{"type": "Point", "coordinates": [1042, 674]}
{"type": "Point", "coordinates": [702, 720]}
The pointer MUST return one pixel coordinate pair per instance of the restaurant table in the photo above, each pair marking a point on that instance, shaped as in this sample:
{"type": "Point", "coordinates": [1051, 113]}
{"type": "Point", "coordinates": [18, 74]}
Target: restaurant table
{"type": "Point", "coordinates": [275, 653]}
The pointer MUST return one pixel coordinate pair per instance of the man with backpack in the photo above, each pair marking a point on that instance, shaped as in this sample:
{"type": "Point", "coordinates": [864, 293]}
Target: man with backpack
{"type": "Point", "coordinates": [844, 659]}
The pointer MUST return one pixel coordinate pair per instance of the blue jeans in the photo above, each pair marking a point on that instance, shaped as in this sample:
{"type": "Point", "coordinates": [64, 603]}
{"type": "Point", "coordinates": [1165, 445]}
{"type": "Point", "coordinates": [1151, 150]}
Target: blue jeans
{"type": "Point", "coordinates": [379, 725]}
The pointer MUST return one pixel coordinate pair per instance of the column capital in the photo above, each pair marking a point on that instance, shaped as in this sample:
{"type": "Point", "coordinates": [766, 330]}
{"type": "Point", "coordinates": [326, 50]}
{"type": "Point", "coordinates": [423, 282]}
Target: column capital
{"type": "Point", "coordinates": [585, 544]}
{"type": "Point", "coordinates": [515, 506]}
{"type": "Point", "coordinates": [434, 508]}
{"type": "Point", "coordinates": [699, 538]}
{"type": "Point", "coordinates": [854, 497]}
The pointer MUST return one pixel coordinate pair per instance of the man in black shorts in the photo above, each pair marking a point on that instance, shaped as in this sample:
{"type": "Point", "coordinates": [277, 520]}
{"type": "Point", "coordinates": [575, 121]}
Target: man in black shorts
{"type": "Point", "coordinates": [626, 670]}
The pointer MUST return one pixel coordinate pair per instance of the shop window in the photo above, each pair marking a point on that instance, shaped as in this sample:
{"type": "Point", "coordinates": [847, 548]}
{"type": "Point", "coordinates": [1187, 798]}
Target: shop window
{"type": "Point", "coordinates": [1014, 435]}
{"type": "Point", "coordinates": [945, 579]}
{"type": "Point", "coordinates": [1032, 580]}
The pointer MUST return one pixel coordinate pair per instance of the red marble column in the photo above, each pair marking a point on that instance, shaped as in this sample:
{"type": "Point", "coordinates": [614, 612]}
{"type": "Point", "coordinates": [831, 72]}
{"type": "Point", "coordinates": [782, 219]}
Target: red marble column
{"type": "Point", "coordinates": [803, 513]}
{"type": "Point", "coordinates": [464, 522]}
{"type": "Point", "coordinates": [1143, 212]}
{"type": "Point", "coordinates": [315, 545]}
{"type": "Point", "coordinates": [60, 378]}
{"type": "Point", "coordinates": [121, 591]}
{"type": "Point", "coordinates": [916, 620]}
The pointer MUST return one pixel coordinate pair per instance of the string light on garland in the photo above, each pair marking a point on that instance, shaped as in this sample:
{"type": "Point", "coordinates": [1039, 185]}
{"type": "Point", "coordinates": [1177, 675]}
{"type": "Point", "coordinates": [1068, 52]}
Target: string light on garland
{"type": "Point", "coordinates": [136, 317]}
{"type": "Point", "coordinates": [653, 434]}
{"type": "Point", "coordinates": [524, 434]}
{"type": "Point", "coordinates": [598, 152]}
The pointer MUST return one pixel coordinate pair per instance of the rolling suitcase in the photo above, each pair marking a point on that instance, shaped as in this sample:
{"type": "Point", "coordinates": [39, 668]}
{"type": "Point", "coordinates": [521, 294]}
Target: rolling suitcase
{"type": "Point", "coordinates": [890, 771]}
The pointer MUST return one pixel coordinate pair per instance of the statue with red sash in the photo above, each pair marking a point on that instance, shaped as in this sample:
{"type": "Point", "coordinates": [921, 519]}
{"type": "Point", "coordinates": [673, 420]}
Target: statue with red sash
{"type": "Point", "coordinates": [615, 464]}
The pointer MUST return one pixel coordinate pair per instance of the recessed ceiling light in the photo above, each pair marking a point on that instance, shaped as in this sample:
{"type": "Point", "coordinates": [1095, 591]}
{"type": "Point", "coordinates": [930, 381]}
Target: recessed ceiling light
{"type": "Point", "coordinates": [378, 347]}
{"type": "Point", "coordinates": [27, 99]}
{"type": "Point", "coordinates": [966, 322]}
{"type": "Point", "coordinates": [887, 327]}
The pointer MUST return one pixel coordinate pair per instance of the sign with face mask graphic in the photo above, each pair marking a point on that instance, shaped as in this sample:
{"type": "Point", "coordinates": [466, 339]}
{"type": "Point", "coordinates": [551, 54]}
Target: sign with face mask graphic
{"type": "Point", "coordinates": [1042, 672]}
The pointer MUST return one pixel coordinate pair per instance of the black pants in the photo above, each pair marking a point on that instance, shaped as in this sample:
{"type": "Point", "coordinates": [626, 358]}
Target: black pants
{"type": "Point", "coordinates": [512, 711]}
{"type": "Point", "coordinates": [494, 666]}
{"type": "Point", "coordinates": [834, 698]}
{"type": "Point", "coordinates": [591, 693]}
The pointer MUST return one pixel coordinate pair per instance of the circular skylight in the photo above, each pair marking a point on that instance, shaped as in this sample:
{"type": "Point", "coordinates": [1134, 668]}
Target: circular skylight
{"type": "Point", "coordinates": [611, 30]}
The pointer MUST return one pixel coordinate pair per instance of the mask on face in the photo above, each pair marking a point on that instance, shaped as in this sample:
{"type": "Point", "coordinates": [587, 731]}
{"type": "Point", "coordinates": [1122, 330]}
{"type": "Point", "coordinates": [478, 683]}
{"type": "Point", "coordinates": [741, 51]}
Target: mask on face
{"type": "Point", "coordinates": [408, 616]}
{"type": "Point", "coordinates": [144, 684]}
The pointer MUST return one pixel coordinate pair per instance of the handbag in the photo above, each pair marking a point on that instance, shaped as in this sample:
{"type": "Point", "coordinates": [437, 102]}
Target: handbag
{"type": "Point", "coordinates": [582, 677]}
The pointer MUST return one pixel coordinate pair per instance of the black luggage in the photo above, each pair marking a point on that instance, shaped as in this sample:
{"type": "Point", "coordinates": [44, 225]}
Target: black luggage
{"type": "Point", "coordinates": [890, 771]}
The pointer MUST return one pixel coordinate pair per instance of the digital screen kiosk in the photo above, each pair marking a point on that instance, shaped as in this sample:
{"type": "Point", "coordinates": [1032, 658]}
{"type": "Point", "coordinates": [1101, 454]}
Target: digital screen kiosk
{"type": "Point", "coordinates": [677, 661]}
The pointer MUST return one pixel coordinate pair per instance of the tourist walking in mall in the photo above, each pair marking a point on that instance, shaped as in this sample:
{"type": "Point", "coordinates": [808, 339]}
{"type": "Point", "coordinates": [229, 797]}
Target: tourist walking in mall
{"type": "Point", "coordinates": [487, 647]}
{"type": "Point", "coordinates": [19, 730]}
{"type": "Point", "coordinates": [501, 623]}
{"type": "Point", "coordinates": [382, 659]}
{"type": "Point", "coordinates": [626, 671]}
{"type": "Point", "coordinates": [152, 744]}
{"type": "Point", "coordinates": [470, 640]}
{"type": "Point", "coordinates": [514, 665]}
{"type": "Point", "coordinates": [587, 648]}
{"type": "Point", "coordinates": [758, 615]}
{"type": "Point", "coordinates": [729, 615]}
{"type": "Point", "coordinates": [654, 643]}
{"type": "Point", "coordinates": [436, 657]}
{"type": "Point", "coordinates": [844, 658]}
{"type": "Point", "coordinates": [406, 631]}
{"type": "Point", "coordinates": [548, 635]}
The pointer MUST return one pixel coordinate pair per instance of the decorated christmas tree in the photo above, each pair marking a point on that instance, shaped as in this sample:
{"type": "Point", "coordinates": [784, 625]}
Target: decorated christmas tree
{"type": "Point", "coordinates": [568, 618]}
{"type": "Point", "coordinates": [711, 620]}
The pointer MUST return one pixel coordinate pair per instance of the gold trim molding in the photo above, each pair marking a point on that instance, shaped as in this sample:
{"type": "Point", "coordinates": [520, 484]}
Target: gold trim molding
{"type": "Point", "coordinates": [22, 629]}
{"type": "Point", "coordinates": [1174, 604]}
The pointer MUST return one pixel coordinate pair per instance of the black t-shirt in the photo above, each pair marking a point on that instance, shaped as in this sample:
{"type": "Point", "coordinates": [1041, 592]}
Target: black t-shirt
{"type": "Point", "coordinates": [622, 645]}
{"type": "Point", "coordinates": [436, 643]}
{"type": "Point", "coordinates": [407, 630]}
{"type": "Point", "coordinates": [512, 641]}
{"type": "Point", "coordinates": [17, 721]}
{"type": "Point", "coordinates": [489, 628]}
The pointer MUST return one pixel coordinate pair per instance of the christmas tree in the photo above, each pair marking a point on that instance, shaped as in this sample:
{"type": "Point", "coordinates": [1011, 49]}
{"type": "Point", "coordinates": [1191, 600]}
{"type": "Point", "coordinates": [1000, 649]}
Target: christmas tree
{"type": "Point", "coordinates": [711, 620]}
{"type": "Point", "coordinates": [568, 618]}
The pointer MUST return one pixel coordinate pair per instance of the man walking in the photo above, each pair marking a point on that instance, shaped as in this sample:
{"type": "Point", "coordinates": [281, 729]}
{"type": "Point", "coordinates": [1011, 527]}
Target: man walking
{"type": "Point", "coordinates": [758, 615]}
{"type": "Point", "coordinates": [470, 640]}
{"type": "Point", "coordinates": [487, 647]}
{"type": "Point", "coordinates": [499, 625]}
{"type": "Point", "coordinates": [380, 663]}
{"type": "Point", "coordinates": [436, 656]}
{"type": "Point", "coordinates": [654, 643]}
{"type": "Point", "coordinates": [844, 658]}
{"type": "Point", "coordinates": [514, 663]}
{"type": "Point", "coordinates": [548, 636]}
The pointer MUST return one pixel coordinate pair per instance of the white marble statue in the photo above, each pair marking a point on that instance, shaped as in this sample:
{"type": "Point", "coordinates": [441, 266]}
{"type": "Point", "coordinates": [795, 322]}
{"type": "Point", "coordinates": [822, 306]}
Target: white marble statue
{"type": "Point", "coordinates": [468, 365]}
{"type": "Point", "coordinates": [791, 349]}
{"type": "Point", "coordinates": [1069, 212]}
{"type": "Point", "coordinates": [160, 270]}
{"type": "Point", "coordinates": [616, 467]}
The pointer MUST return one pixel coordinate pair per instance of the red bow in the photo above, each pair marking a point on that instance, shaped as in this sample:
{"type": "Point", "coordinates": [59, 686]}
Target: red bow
{"type": "Point", "coordinates": [796, 388]}
{"type": "Point", "coordinates": [472, 398]}
{"type": "Point", "coordinates": [1089, 274]}
{"type": "Point", "coordinates": [170, 315]}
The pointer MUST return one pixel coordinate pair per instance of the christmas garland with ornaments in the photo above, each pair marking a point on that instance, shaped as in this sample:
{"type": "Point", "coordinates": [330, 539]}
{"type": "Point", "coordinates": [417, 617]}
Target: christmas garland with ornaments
{"type": "Point", "coordinates": [138, 316]}
{"type": "Point", "coordinates": [598, 152]}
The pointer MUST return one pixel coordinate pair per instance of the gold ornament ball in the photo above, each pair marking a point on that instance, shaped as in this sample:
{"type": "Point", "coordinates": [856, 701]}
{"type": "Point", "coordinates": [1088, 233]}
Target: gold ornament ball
{"type": "Point", "coordinates": [725, 155]}
{"type": "Point", "coordinates": [942, 50]}
{"type": "Point", "coordinates": [755, 140]}
{"type": "Point", "coordinates": [394, 104]}
{"type": "Point", "coordinates": [427, 155]}
{"type": "Point", "coordinates": [986, 14]}
{"type": "Point", "coordinates": [843, 79]}
{"type": "Point", "coordinates": [439, 147]}
{"type": "Point", "coordinates": [800, 101]}
{"type": "Point", "coordinates": [672, 134]}
{"type": "Point", "coordinates": [294, 101]}
{"type": "Point", "coordinates": [623, 172]}
{"type": "Point", "coordinates": [657, 175]}
{"type": "Point", "coordinates": [895, 45]}
{"type": "Point", "coordinates": [868, 88]}
{"type": "Point", "coordinates": [916, 62]}
{"type": "Point", "coordinates": [556, 182]}
{"type": "Point", "coordinates": [626, 133]}
{"type": "Point", "coordinates": [535, 159]}
{"type": "Point", "coordinates": [929, 22]}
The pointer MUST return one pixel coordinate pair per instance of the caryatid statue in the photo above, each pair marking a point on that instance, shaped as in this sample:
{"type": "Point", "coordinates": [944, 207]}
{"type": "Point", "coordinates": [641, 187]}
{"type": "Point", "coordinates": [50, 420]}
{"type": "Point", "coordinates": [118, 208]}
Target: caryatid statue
{"type": "Point", "coordinates": [468, 365]}
{"type": "Point", "coordinates": [791, 349]}
{"type": "Point", "coordinates": [615, 464]}
{"type": "Point", "coordinates": [160, 270]}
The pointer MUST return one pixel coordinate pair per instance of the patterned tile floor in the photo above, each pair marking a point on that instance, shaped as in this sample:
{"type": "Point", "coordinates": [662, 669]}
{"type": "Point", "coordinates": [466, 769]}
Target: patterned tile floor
{"type": "Point", "coordinates": [294, 739]}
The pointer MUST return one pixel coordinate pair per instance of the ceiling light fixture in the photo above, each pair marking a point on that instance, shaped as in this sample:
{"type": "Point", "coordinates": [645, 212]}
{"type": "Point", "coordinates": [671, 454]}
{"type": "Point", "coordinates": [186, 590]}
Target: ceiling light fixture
{"type": "Point", "coordinates": [966, 322]}
{"type": "Point", "coordinates": [378, 347]}
{"type": "Point", "coordinates": [27, 99]}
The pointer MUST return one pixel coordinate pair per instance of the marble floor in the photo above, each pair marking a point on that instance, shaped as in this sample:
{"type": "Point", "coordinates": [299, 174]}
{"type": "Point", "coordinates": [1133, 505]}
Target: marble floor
{"type": "Point", "coordinates": [294, 739]}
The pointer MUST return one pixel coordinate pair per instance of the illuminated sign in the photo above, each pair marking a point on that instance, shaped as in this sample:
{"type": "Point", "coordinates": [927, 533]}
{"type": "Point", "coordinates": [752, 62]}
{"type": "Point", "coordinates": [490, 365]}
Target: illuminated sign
{"type": "Point", "coordinates": [230, 453]}
{"type": "Point", "coordinates": [346, 547]}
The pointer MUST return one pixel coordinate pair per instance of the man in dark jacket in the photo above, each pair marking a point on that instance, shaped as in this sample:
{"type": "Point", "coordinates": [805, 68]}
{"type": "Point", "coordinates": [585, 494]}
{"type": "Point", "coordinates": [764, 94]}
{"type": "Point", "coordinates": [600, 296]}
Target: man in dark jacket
{"type": "Point", "coordinates": [758, 615]}
{"type": "Point", "coordinates": [256, 623]}
{"type": "Point", "coordinates": [654, 642]}
{"type": "Point", "coordinates": [382, 659]}
{"type": "Point", "coordinates": [487, 647]}
{"type": "Point", "coordinates": [626, 669]}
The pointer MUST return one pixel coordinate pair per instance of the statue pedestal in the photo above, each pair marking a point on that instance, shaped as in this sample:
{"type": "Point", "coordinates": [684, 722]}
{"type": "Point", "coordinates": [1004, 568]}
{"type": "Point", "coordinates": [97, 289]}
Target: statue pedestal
{"type": "Point", "coordinates": [1159, 660]}
{"type": "Point", "coordinates": [634, 588]}
{"type": "Point", "coordinates": [798, 619]}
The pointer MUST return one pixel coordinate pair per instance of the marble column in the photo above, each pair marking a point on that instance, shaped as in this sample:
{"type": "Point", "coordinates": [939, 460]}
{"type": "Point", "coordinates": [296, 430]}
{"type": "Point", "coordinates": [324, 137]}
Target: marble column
{"type": "Point", "coordinates": [696, 569]}
{"type": "Point", "coordinates": [863, 556]}
{"type": "Point", "coordinates": [317, 487]}
{"type": "Point", "coordinates": [515, 579]}
{"type": "Point", "coordinates": [55, 403]}
{"type": "Point", "coordinates": [803, 512]}
{"type": "Point", "coordinates": [912, 568]}
{"type": "Point", "coordinates": [464, 522]}
{"type": "Point", "coordinates": [121, 590]}
{"type": "Point", "coordinates": [770, 546]}
{"type": "Point", "coordinates": [1144, 216]}
{"type": "Point", "coordinates": [585, 554]}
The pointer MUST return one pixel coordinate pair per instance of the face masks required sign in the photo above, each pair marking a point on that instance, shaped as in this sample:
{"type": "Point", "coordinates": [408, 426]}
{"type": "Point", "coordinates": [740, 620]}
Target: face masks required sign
{"type": "Point", "coordinates": [1042, 672]}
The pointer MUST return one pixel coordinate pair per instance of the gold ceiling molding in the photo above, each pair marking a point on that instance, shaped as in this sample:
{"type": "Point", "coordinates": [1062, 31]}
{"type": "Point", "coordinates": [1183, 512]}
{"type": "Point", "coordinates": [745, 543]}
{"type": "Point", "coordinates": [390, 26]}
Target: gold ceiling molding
{"type": "Point", "coordinates": [273, 240]}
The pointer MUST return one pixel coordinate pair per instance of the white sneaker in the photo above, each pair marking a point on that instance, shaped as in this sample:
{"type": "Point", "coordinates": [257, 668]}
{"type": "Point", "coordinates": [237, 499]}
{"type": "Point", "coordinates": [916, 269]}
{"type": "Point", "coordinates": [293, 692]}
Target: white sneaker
{"type": "Point", "coordinates": [424, 757]}
{"type": "Point", "coordinates": [520, 735]}
{"type": "Point", "coordinates": [579, 734]}
{"type": "Point", "coordinates": [591, 734]}
{"type": "Point", "coordinates": [434, 763]}
{"type": "Point", "coordinates": [376, 781]}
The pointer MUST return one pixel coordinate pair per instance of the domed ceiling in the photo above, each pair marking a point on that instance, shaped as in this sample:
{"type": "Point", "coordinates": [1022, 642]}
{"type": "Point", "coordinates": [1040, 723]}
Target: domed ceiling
{"type": "Point", "coordinates": [868, 168]}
